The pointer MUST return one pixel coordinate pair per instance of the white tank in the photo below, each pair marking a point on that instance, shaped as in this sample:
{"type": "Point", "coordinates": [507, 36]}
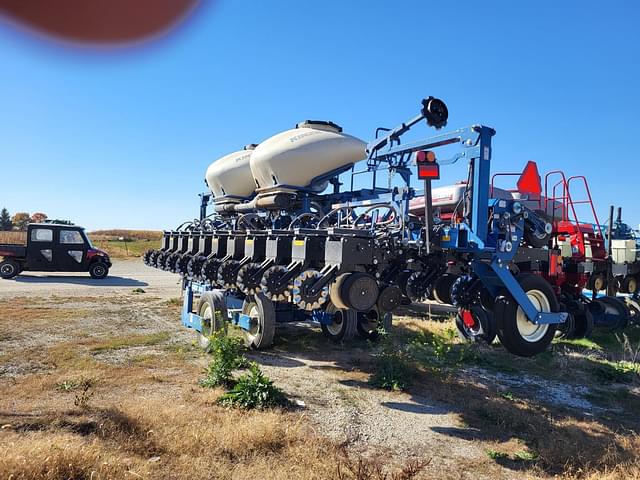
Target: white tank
{"type": "Point", "coordinates": [231, 174]}
{"type": "Point", "coordinates": [296, 157]}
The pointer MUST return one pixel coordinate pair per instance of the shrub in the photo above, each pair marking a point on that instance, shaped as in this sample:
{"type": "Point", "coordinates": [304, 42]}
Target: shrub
{"type": "Point", "coordinates": [253, 390]}
{"type": "Point", "coordinates": [393, 370]}
{"type": "Point", "coordinates": [227, 356]}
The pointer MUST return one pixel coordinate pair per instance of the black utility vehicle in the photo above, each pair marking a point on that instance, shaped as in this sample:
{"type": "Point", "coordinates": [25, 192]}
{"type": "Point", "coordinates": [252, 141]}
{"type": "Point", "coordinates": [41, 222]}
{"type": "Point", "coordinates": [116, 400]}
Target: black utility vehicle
{"type": "Point", "coordinates": [54, 248]}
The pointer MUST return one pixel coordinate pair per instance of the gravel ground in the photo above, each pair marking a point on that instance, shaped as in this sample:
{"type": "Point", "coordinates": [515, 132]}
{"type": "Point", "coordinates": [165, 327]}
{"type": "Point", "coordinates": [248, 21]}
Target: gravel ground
{"type": "Point", "coordinates": [125, 275]}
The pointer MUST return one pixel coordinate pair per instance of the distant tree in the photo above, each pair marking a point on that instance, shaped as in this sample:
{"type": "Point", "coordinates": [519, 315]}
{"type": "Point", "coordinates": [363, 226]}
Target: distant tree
{"type": "Point", "coordinates": [21, 220]}
{"type": "Point", "coordinates": [38, 217]}
{"type": "Point", "coordinates": [5, 220]}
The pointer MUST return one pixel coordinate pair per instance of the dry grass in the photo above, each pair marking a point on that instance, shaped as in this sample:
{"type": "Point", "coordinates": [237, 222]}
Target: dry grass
{"type": "Point", "coordinates": [131, 234]}
{"type": "Point", "coordinates": [13, 238]}
{"type": "Point", "coordinates": [145, 417]}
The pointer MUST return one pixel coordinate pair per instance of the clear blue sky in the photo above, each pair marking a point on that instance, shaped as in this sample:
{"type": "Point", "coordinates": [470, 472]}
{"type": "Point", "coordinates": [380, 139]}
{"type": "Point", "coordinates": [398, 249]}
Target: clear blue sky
{"type": "Point", "coordinates": [123, 139]}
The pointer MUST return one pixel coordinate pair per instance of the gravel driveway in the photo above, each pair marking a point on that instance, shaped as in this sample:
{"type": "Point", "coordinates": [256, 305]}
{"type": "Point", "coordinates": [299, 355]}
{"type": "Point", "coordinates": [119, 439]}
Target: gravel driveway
{"type": "Point", "coordinates": [125, 275]}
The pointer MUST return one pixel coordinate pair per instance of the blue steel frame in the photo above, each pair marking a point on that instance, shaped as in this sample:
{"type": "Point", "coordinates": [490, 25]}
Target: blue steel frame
{"type": "Point", "coordinates": [491, 249]}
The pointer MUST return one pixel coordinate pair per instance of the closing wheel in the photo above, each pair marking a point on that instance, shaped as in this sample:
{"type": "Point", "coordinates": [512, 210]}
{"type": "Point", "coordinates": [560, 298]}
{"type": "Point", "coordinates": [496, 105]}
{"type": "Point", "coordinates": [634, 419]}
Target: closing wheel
{"type": "Point", "coordinates": [517, 333]}
{"type": "Point", "coordinates": [212, 310]}
{"type": "Point", "coordinates": [442, 288]}
{"type": "Point", "coordinates": [98, 270]}
{"type": "Point", "coordinates": [263, 321]}
{"type": "Point", "coordinates": [335, 288]}
{"type": "Point", "coordinates": [371, 323]}
{"type": "Point", "coordinates": [146, 256]}
{"type": "Point", "coordinates": [476, 324]}
{"type": "Point", "coordinates": [302, 294]}
{"type": "Point", "coordinates": [9, 268]}
{"type": "Point", "coordinates": [359, 291]}
{"type": "Point", "coordinates": [344, 325]}
{"type": "Point", "coordinates": [248, 280]}
{"type": "Point", "coordinates": [271, 285]}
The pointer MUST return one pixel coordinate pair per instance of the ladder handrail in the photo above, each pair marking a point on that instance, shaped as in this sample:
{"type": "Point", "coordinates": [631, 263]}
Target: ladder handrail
{"type": "Point", "coordinates": [589, 199]}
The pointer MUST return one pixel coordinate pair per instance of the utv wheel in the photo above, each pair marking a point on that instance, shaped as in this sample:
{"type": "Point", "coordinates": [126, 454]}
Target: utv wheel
{"type": "Point", "coordinates": [343, 326]}
{"type": "Point", "coordinates": [98, 270]}
{"type": "Point", "coordinates": [517, 333]}
{"type": "Point", "coordinates": [212, 310]}
{"type": "Point", "coordinates": [9, 269]}
{"type": "Point", "coordinates": [476, 324]}
{"type": "Point", "coordinates": [260, 309]}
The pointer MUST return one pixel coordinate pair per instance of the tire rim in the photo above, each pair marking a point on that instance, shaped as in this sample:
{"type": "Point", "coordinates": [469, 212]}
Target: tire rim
{"type": "Point", "coordinates": [598, 283]}
{"type": "Point", "coordinates": [528, 330]}
{"type": "Point", "coordinates": [337, 325]}
{"type": "Point", "coordinates": [8, 269]}
{"type": "Point", "coordinates": [98, 270]}
{"type": "Point", "coordinates": [207, 320]}
{"type": "Point", "coordinates": [254, 314]}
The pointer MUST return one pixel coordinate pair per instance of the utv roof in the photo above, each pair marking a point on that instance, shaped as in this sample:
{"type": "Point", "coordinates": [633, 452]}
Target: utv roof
{"type": "Point", "coordinates": [55, 225]}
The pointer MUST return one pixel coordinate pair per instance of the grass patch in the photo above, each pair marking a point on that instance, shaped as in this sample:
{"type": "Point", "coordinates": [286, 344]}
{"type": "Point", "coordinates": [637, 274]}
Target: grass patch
{"type": "Point", "coordinates": [496, 454]}
{"type": "Point", "coordinates": [120, 342]}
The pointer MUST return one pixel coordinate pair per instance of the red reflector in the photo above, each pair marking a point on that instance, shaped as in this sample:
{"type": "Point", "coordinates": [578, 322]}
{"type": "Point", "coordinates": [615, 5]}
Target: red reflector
{"type": "Point", "coordinates": [428, 170]}
{"type": "Point", "coordinates": [467, 318]}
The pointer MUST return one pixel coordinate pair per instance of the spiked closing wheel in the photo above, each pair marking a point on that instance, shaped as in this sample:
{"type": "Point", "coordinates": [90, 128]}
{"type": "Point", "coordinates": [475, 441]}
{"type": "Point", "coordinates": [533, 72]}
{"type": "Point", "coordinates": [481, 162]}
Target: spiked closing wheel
{"type": "Point", "coordinates": [302, 294]}
{"type": "Point", "coordinates": [210, 270]}
{"type": "Point", "coordinates": [248, 281]}
{"type": "Point", "coordinates": [272, 287]}
{"type": "Point", "coordinates": [228, 274]}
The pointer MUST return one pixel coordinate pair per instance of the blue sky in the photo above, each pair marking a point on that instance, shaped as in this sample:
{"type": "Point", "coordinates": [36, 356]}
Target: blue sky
{"type": "Point", "coordinates": [122, 139]}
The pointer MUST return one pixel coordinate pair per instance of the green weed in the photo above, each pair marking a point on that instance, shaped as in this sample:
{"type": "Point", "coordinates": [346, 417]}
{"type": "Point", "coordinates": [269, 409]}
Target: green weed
{"type": "Point", "coordinates": [253, 390]}
{"type": "Point", "coordinates": [227, 356]}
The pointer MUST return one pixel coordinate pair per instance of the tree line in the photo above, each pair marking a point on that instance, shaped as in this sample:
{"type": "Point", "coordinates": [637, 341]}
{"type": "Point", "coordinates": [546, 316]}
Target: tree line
{"type": "Point", "coordinates": [20, 220]}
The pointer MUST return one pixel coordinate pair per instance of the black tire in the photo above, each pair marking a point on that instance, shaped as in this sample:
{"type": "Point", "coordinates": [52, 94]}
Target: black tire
{"type": "Point", "coordinates": [370, 323]}
{"type": "Point", "coordinates": [629, 284]}
{"type": "Point", "coordinates": [517, 334]}
{"type": "Point", "coordinates": [9, 268]}
{"type": "Point", "coordinates": [483, 328]}
{"type": "Point", "coordinates": [597, 282]}
{"type": "Point", "coordinates": [567, 330]}
{"type": "Point", "coordinates": [212, 310]}
{"type": "Point", "coordinates": [582, 324]}
{"type": "Point", "coordinates": [344, 326]}
{"type": "Point", "coordinates": [98, 270]}
{"type": "Point", "coordinates": [260, 308]}
{"type": "Point", "coordinates": [442, 288]}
